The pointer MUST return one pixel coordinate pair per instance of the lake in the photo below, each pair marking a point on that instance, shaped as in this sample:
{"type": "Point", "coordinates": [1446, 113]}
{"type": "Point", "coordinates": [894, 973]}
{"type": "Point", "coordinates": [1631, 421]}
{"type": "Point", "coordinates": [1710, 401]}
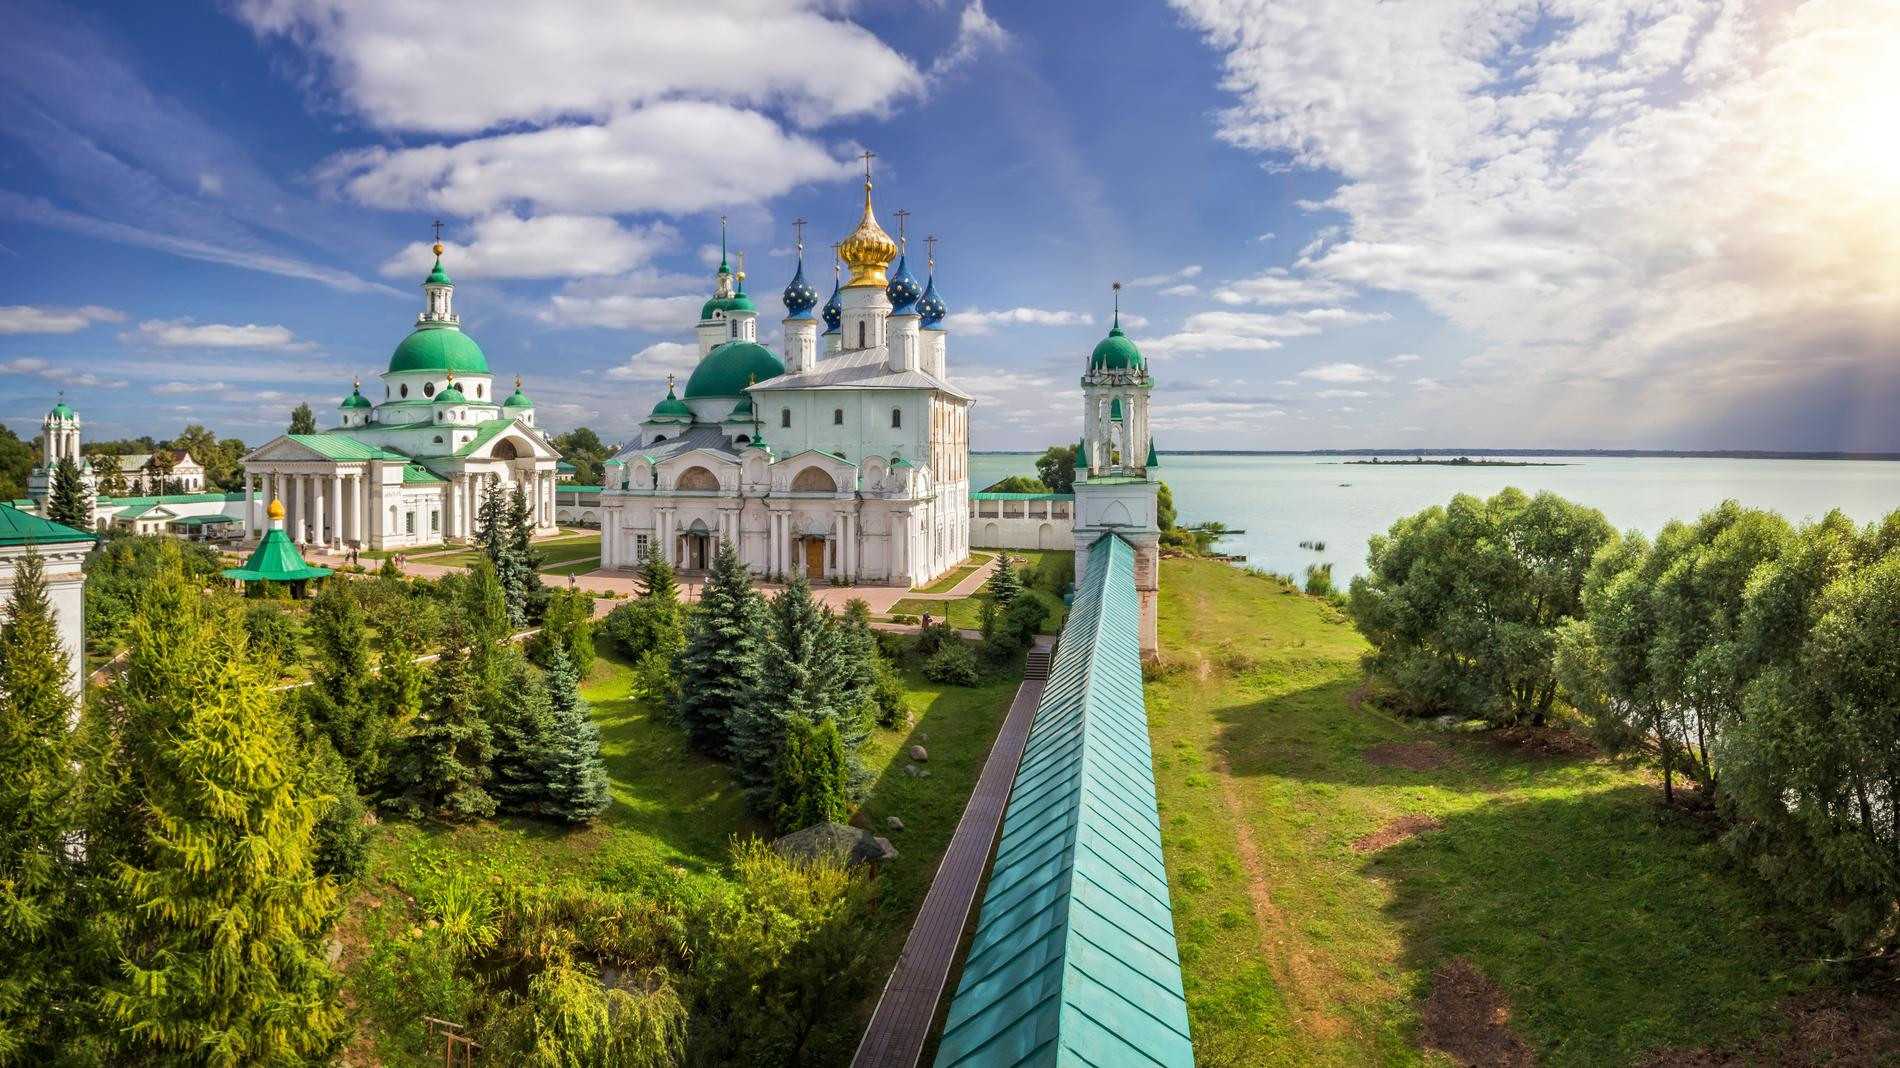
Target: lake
{"type": "Point", "coordinates": [1280, 501]}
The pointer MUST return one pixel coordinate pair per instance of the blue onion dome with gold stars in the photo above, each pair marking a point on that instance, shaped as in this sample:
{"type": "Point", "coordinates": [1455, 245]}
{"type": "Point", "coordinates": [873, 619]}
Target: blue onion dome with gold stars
{"type": "Point", "coordinates": [833, 312]}
{"type": "Point", "coordinates": [903, 289]}
{"type": "Point", "coordinates": [800, 298]}
{"type": "Point", "coordinates": [931, 306]}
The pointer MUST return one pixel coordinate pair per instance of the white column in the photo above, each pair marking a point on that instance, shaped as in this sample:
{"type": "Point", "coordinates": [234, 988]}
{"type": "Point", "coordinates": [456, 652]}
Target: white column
{"type": "Point", "coordinates": [250, 505]}
{"type": "Point", "coordinates": [316, 510]}
{"type": "Point", "coordinates": [336, 509]}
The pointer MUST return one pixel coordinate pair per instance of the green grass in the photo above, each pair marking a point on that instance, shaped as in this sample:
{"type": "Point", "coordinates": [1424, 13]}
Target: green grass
{"type": "Point", "coordinates": [674, 814]}
{"type": "Point", "coordinates": [963, 612]}
{"type": "Point", "coordinates": [1613, 926]}
{"type": "Point", "coordinates": [563, 551]}
{"type": "Point", "coordinates": [578, 567]}
{"type": "Point", "coordinates": [949, 581]}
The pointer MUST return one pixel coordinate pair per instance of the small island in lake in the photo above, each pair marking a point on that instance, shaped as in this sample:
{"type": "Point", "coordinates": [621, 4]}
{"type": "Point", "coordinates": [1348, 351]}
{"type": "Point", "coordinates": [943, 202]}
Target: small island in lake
{"type": "Point", "coordinates": [1454, 461]}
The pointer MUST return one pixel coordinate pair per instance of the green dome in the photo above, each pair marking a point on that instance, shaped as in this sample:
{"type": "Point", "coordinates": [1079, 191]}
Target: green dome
{"type": "Point", "coordinates": [1116, 353]}
{"type": "Point", "coordinates": [738, 302]}
{"type": "Point", "coordinates": [451, 395]}
{"type": "Point", "coordinates": [672, 408]}
{"type": "Point", "coordinates": [356, 400]}
{"type": "Point", "coordinates": [517, 399]}
{"type": "Point", "coordinates": [438, 348]}
{"type": "Point", "coordinates": [730, 368]}
{"type": "Point", "coordinates": [438, 277]}
{"type": "Point", "coordinates": [60, 411]}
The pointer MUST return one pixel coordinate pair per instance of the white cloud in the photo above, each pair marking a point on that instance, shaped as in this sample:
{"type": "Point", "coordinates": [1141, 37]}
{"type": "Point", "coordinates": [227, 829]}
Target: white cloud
{"type": "Point", "coordinates": [494, 63]}
{"type": "Point", "coordinates": [1192, 270]}
{"type": "Point", "coordinates": [1227, 331]}
{"type": "Point", "coordinates": [678, 156]}
{"type": "Point", "coordinates": [1647, 211]}
{"type": "Point", "coordinates": [1336, 394]}
{"type": "Point", "coordinates": [977, 33]}
{"type": "Point", "coordinates": [978, 323]}
{"type": "Point", "coordinates": [168, 389]}
{"type": "Point", "coordinates": [643, 299]}
{"type": "Point", "coordinates": [1404, 358]}
{"type": "Point", "coordinates": [1426, 385]}
{"type": "Point", "coordinates": [657, 361]}
{"type": "Point", "coordinates": [546, 246]}
{"type": "Point", "coordinates": [1342, 372]}
{"type": "Point", "coordinates": [24, 365]}
{"type": "Point", "coordinates": [1277, 286]}
{"type": "Point", "coordinates": [67, 376]}
{"type": "Point", "coordinates": [45, 319]}
{"type": "Point", "coordinates": [1185, 289]}
{"type": "Point", "coordinates": [183, 333]}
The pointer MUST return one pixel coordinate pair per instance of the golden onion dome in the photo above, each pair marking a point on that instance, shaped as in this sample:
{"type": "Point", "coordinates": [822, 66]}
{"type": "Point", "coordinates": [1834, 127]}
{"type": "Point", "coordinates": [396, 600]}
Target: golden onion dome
{"type": "Point", "coordinates": [868, 249]}
{"type": "Point", "coordinates": [275, 511]}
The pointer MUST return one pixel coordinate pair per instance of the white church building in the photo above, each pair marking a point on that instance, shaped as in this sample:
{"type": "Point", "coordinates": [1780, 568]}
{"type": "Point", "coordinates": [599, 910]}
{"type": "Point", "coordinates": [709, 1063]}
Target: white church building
{"type": "Point", "coordinates": [845, 457]}
{"type": "Point", "coordinates": [412, 468]}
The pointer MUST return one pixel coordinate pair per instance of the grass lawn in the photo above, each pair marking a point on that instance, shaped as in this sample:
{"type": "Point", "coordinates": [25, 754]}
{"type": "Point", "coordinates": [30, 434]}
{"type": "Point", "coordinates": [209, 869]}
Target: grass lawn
{"type": "Point", "coordinates": [553, 552]}
{"type": "Point", "coordinates": [578, 567]}
{"type": "Point", "coordinates": [675, 812]}
{"type": "Point", "coordinates": [1613, 926]}
{"type": "Point", "coordinates": [949, 581]}
{"type": "Point", "coordinates": [963, 612]}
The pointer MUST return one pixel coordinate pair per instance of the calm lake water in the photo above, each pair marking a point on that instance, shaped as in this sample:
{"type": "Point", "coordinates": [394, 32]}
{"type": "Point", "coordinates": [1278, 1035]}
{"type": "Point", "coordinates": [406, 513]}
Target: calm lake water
{"type": "Point", "coordinates": [1280, 501]}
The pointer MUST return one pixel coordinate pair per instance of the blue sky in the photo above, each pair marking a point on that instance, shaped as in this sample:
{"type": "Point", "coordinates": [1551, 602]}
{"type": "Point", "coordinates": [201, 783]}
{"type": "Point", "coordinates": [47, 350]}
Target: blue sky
{"type": "Point", "coordinates": [1568, 223]}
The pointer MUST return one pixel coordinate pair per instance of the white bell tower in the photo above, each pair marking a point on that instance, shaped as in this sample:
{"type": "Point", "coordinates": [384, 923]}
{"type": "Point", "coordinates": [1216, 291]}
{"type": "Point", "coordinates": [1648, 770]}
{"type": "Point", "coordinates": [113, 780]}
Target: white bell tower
{"type": "Point", "coordinates": [1115, 491]}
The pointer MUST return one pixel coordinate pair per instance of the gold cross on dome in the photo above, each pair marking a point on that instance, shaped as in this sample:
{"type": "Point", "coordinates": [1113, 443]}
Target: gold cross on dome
{"type": "Point", "coordinates": [799, 225]}
{"type": "Point", "coordinates": [930, 250]}
{"type": "Point", "coordinates": [868, 157]}
{"type": "Point", "coordinates": [901, 216]}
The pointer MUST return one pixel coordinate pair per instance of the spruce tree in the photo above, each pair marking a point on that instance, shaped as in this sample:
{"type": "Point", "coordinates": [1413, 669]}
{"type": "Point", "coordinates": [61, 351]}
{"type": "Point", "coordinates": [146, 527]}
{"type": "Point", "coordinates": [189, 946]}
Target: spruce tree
{"type": "Point", "coordinates": [337, 700]}
{"type": "Point", "coordinates": [523, 726]}
{"type": "Point", "coordinates": [722, 665]}
{"type": "Point", "coordinates": [218, 919]}
{"type": "Point", "coordinates": [815, 678]}
{"type": "Point", "coordinates": [1004, 583]}
{"type": "Point", "coordinates": [526, 558]}
{"type": "Point", "coordinates": [656, 575]}
{"type": "Point", "coordinates": [36, 754]}
{"type": "Point", "coordinates": [453, 744]}
{"type": "Point", "coordinates": [811, 780]}
{"type": "Point", "coordinates": [577, 786]}
{"type": "Point", "coordinates": [67, 503]}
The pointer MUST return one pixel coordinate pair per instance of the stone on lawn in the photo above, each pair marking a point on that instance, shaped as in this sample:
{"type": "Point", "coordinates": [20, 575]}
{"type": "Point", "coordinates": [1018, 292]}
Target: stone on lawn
{"type": "Point", "coordinates": [893, 823]}
{"type": "Point", "coordinates": [924, 774]}
{"type": "Point", "coordinates": [917, 753]}
{"type": "Point", "coordinates": [910, 770]}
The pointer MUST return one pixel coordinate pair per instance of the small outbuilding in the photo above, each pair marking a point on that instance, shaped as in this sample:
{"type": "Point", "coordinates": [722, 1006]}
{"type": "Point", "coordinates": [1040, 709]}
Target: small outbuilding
{"type": "Point", "coordinates": [276, 560]}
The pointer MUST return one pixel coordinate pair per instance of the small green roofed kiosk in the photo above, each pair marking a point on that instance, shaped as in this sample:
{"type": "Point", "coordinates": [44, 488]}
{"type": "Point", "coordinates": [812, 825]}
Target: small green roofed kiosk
{"type": "Point", "coordinates": [276, 559]}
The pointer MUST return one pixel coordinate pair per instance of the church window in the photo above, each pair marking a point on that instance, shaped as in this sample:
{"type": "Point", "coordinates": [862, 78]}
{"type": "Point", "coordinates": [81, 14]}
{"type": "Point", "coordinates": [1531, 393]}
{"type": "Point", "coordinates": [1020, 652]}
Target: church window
{"type": "Point", "coordinates": [640, 545]}
{"type": "Point", "coordinates": [428, 389]}
{"type": "Point", "coordinates": [409, 522]}
{"type": "Point", "coordinates": [435, 522]}
{"type": "Point", "coordinates": [860, 334]}
{"type": "Point", "coordinates": [742, 440]}
{"type": "Point", "coordinates": [657, 438]}
{"type": "Point", "coordinates": [438, 439]}
{"type": "Point", "coordinates": [837, 417]}
{"type": "Point", "coordinates": [405, 389]}
{"type": "Point", "coordinates": [897, 418]}
{"type": "Point", "coordinates": [479, 387]}
{"type": "Point", "coordinates": [784, 417]}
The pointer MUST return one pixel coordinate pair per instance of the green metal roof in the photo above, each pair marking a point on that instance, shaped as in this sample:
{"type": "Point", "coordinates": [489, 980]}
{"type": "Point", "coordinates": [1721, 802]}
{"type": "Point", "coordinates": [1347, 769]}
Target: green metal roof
{"type": "Point", "coordinates": [517, 399]}
{"type": "Point", "coordinates": [19, 528]}
{"type": "Point", "coordinates": [984, 495]}
{"type": "Point", "coordinates": [205, 520]}
{"type": "Point", "coordinates": [356, 400]}
{"type": "Point", "coordinates": [1154, 458]}
{"type": "Point", "coordinates": [416, 473]}
{"type": "Point", "coordinates": [275, 560]}
{"type": "Point", "coordinates": [339, 447]}
{"type": "Point", "coordinates": [1074, 960]}
{"type": "Point", "coordinates": [1116, 353]}
{"type": "Point", "coordinates": [175, 498]}
{"type": "Point", "coordinates": [60, 411]}
{"type": "Point", "coordinates": [439, 348]}
{"type": "Point", "coordinates": [438, 276]}
{"type": "Point", "coordinates": [485, 432]}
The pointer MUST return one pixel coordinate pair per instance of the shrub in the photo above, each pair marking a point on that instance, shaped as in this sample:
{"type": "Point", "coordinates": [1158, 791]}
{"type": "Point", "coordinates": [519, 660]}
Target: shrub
{"type": "Point", "coordinates": [953, 665]}
{"type": "Point", "coordinates": [1319, 580]}
{"type": "Point", "coordinates": [887, 695]}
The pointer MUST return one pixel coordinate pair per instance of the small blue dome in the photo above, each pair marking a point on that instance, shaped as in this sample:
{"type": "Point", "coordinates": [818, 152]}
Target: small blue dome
{"type": "Point", "coordinates": [903, 290]}
{"type": "Point", "coordinates": [834, 310]}
{"type": "Point", "coordinates": [800, 298]}
{"type": "Point", "coordinates": [931, 306]}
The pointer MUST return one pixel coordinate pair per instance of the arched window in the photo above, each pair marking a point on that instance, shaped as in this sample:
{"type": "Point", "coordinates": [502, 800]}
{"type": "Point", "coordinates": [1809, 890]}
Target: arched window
{"type": "Point", "coordinates": [897, 418]}
{"type": "Point", "coordinates": [405, 389]}
{"type": "Point", "coordinates": [428, 389]}
{"type": "Point", "coordinates": [784, 417]}
{"type": "Point", "coordinates": [861, 325]}
{"type": "Point", "coordinates": [479, 387]}
{"type": "Point", "coordinates": [659, 438]}
{"type": "Point", "coordinates": [438, 439]}
{"type": "Point", "coordinates": [742, 440]}
{"type": "Point", "coordinates": [837, 417]}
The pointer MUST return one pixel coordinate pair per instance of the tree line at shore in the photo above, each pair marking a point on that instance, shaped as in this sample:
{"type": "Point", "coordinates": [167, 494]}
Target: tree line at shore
{"type": "Point", "coordinates": [1749, 658]}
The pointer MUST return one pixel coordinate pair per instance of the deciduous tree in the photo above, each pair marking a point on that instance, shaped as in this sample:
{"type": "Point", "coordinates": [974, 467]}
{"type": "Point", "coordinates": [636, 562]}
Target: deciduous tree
{"type": "Point", "coordinates": [1056, 468]}
{"type": "Point", "coordinates": [302, 420]}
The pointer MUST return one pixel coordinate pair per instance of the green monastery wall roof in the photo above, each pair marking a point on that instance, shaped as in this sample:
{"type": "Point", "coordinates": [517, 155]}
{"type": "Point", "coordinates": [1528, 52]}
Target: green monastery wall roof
{"type": "Point", "coordinates": [19, 528]}
{"type": "Point", "coordinates": [175, 498]}
{"type": "Point", "coordinates": [1074, 961]}
{"type": "Point", "coordinates": [984, 495]}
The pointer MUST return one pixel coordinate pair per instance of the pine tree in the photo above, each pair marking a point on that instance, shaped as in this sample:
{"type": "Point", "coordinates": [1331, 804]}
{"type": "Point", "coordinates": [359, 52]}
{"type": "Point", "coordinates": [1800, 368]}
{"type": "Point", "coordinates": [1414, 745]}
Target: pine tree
{"type": "Point", "coordinates": [722, 665]}
{"type": "Point", "coordinates": [577, 786]}
{"type": "Point", "coordinates": [523, 727]}
{"type": "Point", "coordinates": [526, 558]}
{"type": "Point", "coordinates": [67, 503]}
{"type": "Point", "coordinates": [338, 698]}
{"type": "Point", "coordinates": [801, 686]}
{"type": "Point", "coordinates": [218, 919]}
{"type": "Point", "coordinates": [811, 780]}
{"type": "Point", "coordinates": [403, 634]}
{"type": "Point", "coordinates": [453, 744]}
{"type": "Point", "coordinates": [340, 842]}
{"type": "Point", "coordinates": [502, 533]}
{"type": "Point", "coordinates": [568, 623]}
{"type": "Point", "coordinates": [1005, 583]}
{"type": "Point", "coordinates": [36, 753]}
{"type": "Point", "coordinates": [656, 575]}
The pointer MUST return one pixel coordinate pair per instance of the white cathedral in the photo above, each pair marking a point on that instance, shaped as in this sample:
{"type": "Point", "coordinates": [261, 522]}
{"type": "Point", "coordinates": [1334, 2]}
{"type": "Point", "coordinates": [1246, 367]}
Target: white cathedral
{"type": "Point", "coordinates": [413, 468]}
{"type": "Point", "coordinates": [846, 458]}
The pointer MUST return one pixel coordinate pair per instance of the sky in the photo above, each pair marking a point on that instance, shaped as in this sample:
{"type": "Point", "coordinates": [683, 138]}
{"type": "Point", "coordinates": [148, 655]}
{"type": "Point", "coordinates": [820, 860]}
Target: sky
{"type": "Point", "coordinates": [1338, 223]}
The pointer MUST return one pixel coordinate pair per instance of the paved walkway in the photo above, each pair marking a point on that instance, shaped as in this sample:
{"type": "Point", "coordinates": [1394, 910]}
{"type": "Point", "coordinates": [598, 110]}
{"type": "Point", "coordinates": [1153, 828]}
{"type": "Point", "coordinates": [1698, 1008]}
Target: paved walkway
{"type": "Point", "coordinates": [900, 1025]}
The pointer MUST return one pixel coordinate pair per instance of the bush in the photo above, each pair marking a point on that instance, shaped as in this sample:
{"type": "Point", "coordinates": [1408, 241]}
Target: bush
{"type": "Point", "coordinates": [953, 665]}
{"type": "Point", "coordinates": [1319, 580]}
{"type": "Point", "coordinates": [887, 695]}
{"type": "Point", "coordinates": [650, 624]}
{"type": "Point", "coordinates": [932, 638]}
{"type": "Point", "coordinates": [273, 635]}
{"type": "Point", "coordinates": [1016, 630]}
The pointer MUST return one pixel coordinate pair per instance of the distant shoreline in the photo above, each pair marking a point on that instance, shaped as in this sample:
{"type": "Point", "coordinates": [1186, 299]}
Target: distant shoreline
{"type": "Point", "coordinates": [1457, 461]}
{"type": "Point", "coordinates": [1683, 454]}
